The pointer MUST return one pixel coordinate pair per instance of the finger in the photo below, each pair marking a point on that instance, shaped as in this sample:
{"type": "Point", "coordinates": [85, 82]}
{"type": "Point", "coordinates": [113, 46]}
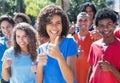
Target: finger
{"type": "Point", "coordinates": [73, 24]}
{"type": "Point", "coordinates": [103, 60]}
{"type": "Point", "coordinates": [57, 40]}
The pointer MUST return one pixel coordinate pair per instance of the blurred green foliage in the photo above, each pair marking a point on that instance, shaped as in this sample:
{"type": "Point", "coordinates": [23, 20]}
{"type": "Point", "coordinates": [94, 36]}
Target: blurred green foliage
{"type": "Point", "coordinates": [32, 7]}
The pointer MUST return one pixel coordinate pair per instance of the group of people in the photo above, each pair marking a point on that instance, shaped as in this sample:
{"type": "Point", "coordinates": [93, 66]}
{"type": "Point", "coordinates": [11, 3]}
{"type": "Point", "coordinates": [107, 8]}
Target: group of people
{"type": "Point", "coordinates": [89, 56]}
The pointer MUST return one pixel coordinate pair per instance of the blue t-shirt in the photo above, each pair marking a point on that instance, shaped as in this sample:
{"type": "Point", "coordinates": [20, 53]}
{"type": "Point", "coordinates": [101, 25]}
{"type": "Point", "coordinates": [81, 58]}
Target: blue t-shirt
{"type": "Point", "coordinates": [20, 67]}
{"type": "Point", "coordinates": [51, 70]}
{"type": "Point", "coordinates": [2, 50]}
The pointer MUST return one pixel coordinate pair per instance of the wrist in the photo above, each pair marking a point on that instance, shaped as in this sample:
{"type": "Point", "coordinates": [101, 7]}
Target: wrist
{"type": "Point", "coordinates": [60, 57]}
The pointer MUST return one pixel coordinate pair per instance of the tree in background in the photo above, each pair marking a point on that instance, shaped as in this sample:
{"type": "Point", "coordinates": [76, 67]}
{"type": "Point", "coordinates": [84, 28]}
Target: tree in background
{"type": "Point", "coordinates": [32, 7]}
{"type": "Point", "coordinates": [11, 6]}
{"type": "Point", "coordinates": [75, 5]}
{"type": "Point", "coordinates": [7, 6]}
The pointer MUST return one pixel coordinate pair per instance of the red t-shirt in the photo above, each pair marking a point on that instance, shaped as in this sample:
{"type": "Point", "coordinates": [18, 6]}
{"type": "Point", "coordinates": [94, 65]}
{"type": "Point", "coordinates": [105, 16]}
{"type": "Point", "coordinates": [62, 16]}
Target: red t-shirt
{"type": "Point", "coordinates": [111, 54]}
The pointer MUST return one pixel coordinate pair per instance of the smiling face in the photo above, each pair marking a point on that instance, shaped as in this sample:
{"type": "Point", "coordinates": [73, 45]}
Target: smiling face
{"type": "Point", "coordinates": [6, 28]}
{"type": "Point", "coordinates": [83, 22]}
{"type": "Point", "coordinates": [22, 39]}
{"type": "Point", "coordinates": [106, 27]}
{"type": "Point", "coordinates": [90, 12]}
{"type": "Point", "coordinates": [54, 27]}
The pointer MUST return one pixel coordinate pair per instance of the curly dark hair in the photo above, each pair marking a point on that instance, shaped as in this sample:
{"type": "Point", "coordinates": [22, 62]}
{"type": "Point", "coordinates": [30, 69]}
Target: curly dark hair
{"type": "Point", "coordinates": [104, 14]}
{"type": "Point", "coordinates": [88, 4]}
{"type": "Point", "coordinates": [8, 19]}
{"type": "Point", "coordinates": [30, 32]}
{"type": "Point", "coordinates": [24, 17]}
{"type": "Point", "coordinates": [44, 18]}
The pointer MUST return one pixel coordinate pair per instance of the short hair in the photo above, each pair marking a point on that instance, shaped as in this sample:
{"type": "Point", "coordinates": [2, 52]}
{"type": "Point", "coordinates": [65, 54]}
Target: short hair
{"type": "Point", "coordinates": [24, 17]}
{"type": "Point", "coordinates": [104, 14]}
{"type": "Point", "coordinates": [83, 14]}
{"type": "Point", "coordinates": [88, 4]}
{"type": "Point", "coordinates": [7, 18]}
{"type": "Point", "coordinates": [44, 18]}
{"type": "Point", "coordinates": [30, 32]}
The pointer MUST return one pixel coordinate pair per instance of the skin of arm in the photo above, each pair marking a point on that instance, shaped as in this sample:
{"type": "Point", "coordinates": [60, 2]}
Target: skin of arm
{"type": "Point", "coordinates": [39, 74]}
{"type": "Point", "coordinates": [67, 67]}
{"type": "Point", "coordinates": [89, 74]}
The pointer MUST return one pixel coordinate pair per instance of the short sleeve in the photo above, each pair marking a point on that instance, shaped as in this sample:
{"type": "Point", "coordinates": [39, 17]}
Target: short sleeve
{"type": "Point", "coordinates": [72, 47]}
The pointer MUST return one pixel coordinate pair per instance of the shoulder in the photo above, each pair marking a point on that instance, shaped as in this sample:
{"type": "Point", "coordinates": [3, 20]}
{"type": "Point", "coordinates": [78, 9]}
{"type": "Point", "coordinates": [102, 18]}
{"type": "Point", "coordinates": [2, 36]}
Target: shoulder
{"type": "Point", "coordinates": [76, 35]}
{"type": "Point", "coordinates": [2, 40]}
{"type": "Point", "coordinates": [69, 40]}
{"type": "Point", "coordinates": [8, 53]}
{"type": "Point", "coordinates": [97, 43]}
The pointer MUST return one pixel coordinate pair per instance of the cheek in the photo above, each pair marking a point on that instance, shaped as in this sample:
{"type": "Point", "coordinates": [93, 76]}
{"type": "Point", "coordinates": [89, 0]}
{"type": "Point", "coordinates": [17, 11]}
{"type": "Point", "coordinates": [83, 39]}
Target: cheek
{"type": "Point", "coordinates": [99, 30]}
{"type": "Point", "coordinates": [60, 28]}
{"type": "Point", "coordinates": [47, 30]}
{"type": "Point", "coordinates": [27, 40]}
{"type": "Point", "coordinates": [10, 29]}
{"type": "Point", "coordinates": [17, 41]}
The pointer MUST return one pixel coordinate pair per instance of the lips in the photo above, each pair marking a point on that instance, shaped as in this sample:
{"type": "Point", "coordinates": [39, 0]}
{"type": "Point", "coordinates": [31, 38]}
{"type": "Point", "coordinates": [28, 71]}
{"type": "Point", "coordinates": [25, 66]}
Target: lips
{"type": "Point", "coordinates": [54, 32]}
{"type": "Point", "coordinates": [106, 32]}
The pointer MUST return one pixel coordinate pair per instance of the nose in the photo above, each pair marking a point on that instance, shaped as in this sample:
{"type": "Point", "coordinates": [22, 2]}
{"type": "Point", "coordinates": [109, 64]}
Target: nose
{"type": "Point", "coordinates": [54, 25]}
{"type": "Point", "coordinates": [22, 38]}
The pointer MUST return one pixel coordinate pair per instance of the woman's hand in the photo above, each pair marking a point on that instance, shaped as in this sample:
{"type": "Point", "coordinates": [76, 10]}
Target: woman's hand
{"type": "Point", "coordinates": [53, 49]}
{"type": "Point", "coordinates": [7, 63]}
{"type": "Point", "coordinates": [42, 58]}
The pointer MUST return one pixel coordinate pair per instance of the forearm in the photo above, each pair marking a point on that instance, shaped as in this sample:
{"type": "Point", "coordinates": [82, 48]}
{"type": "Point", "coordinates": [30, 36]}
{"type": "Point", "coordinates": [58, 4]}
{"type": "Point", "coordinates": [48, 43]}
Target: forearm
{"type": "Point", "coordinates": [116, 73]}
{"type": "Point", "coordinates": [39, 74]}
{"type": "Point", "coordinates": [6, 73]}
{"type": "Point", "coordinates": [89, 74]}
{"type": "Point", "coordinates": [67, 73]}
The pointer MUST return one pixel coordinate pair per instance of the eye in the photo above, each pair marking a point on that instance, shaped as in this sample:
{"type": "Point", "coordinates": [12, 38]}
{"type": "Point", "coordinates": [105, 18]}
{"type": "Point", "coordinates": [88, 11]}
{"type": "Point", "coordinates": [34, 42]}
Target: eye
{"type": "Point", "coordinates": [110, 24]}
{"type": "Point", "coordinates": [80, 20]}
{"type": "Point", "coordinates": [24, 36]}
{"type": "Point", "coordinates": [17, 36]}
{"type": "Point", "coordinates": [101, 26]}
{"type": "Point", "coordinates": [58, 23]}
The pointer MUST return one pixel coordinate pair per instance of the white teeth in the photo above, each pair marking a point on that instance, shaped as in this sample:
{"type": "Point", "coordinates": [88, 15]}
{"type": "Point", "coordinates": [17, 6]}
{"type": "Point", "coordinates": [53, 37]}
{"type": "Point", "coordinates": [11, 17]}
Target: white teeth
{"type": "Point", "coordinates": [54, 32]}
{"type": "Point", "coordinates": [106, 32]}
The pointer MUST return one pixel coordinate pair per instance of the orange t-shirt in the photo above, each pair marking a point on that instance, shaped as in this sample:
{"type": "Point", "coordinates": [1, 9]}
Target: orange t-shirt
{"type": "Point", "coordinates": [82, 66]}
